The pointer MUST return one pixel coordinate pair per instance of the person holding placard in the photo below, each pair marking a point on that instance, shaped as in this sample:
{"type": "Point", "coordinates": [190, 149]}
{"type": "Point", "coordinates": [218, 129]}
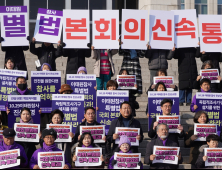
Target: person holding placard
{"type": "Point", "coordinates": [158, 59]}
{"type": "Point", "coordinates": [161, 72]}
{"type": "Point", "coordinates": [9, 143]}
{"type": "Point", "coordinates": [166, 106]}
{"type": "Point", "coordinates": [215, 57]}
{"type": "Point", "coordinates": [49, 136]}
{"type": "Point", "coordinates": [76, 58]}
{"type": "Point", "coordinates": [103, 67]}
{"type": "Point", "coordinates": [187, 68]}
{"type": "Point", "coordinates": [86, 141]}
{"type": "Point", "coordinates": [212, 142]}
{"type": "Point", "coordinates": [189, 139]}
{"type": "Point", "coordinates": [214, 87]}
{"type": "Point", "coordinates": [46, 53]}
{"type": "Point", "coordinates": [132, 98]}
{"type": "Point", "coordinates": [205, 88]}
{"type": "Point", "coordinates": [162, 140]}
{"type": "Point", "coordinates": [124, 147]}
{"type": "Point", "coordinates": [29, 147]}
{"type": "Point", "coordinates": [57, 117]}
{"type": "Point", "coordinates": [125, 120]}
{"type": "Point", "coordinates": [131, 63]}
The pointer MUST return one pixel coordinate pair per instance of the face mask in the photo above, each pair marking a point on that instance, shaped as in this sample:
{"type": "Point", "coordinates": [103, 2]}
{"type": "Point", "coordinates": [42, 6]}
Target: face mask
{"type": "Point", "coordinates": [22, 86]}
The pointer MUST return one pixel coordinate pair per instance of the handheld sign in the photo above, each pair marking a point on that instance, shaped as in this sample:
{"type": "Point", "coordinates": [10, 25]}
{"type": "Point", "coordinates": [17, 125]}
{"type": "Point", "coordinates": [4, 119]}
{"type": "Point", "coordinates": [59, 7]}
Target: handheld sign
{"type": "Point", "coordinates": [9, 159]}
{"type": "Point", "coordinates": [167, 80]}
{"type": "Point", "coordinates": [126, 82]}
{"type": "Point", "coordinates": [127, 160]}
{"type": "Point", "coordinates": [62, 132]}
{"type": "Point", "coordinates": [167, 155]}
{"type": "Point", "coordinates": [88, 156]}
{"type": "Point", "coordinates": [27, 132]}
{"type": "Point", "coordinates": [131, 133]}
{"type": "Point", "coordinates": [204, 130]}
{"type": "Point", "coordinates": [211, 74]}
{"type": "Point", "coordinates": [51, 160]}
{"type": "Point", "coordinates": [214, 156]}
{"type": "Point", "coordinates": [171, 121]}
{"type": "Point", "coordinates": [97, 132]}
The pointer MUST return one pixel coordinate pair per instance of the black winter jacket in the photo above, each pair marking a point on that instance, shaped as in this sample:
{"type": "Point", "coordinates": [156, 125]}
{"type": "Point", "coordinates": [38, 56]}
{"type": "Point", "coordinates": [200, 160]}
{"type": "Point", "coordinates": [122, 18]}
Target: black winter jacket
{"type": "Point", "coordinates": [119, 123]}
{"type": "Point", "coordinates": [187, 66]}
{"type": "Point", "coordinates": [76, 59]}
{"type": "Point", "coordinates": [46, 54]}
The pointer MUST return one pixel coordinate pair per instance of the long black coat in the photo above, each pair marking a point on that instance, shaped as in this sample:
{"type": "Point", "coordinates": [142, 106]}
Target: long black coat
{"type": "Point", "coordinates": [46, 54]}
{"type": "Point", "coordinates": [216, 58]}
{"type": "Point", "coordinates": [187, 66]}
{"type": "Point", "coordinates": [76, 59]}
{"type": "Point", "coordinates": [17, 54]}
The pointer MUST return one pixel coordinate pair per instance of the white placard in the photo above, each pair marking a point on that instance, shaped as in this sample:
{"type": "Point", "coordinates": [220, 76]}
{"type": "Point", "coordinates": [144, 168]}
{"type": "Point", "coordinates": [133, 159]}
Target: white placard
{"type": "Point", "coordinates": [127, 160]}
{"type": "Point", "coordinates": [161, 29]}
{"type": "Point", "coordinates": [167, 80]}
{"type": "Point", "coordinates": [186, 30]}
{"type": "Point", "coordinates": [27, 132]}
{"type": "Point", "coordinates": [126, 82]}
{"type": "Point", "coordinates": [51, 160]}
{"type": "Point", "coordinates": [62, 132]}
{"type": "Point", "coordinates": [171, 121]}
{"type": "Point", "coordinates": [166, 155]}
{"type": "Point", "coordinates": [131, 133]}
{"type": "Point", "coordinates": [211, 74]}
{"type": "Point", "coordinates": [12, 156]}
{"type": "Point", "coordinates": [112, 93]}
{"type": "Point", "coordinates": [76, 28]}
{"type": "Point", "coordinates": [65, 97]}
{"type": "Point", "coordinates": [210, 33]}
{"type": "Point", "coordinates": [105, 28]}
{"type": "Point", "coordinates": [14, 25]}
{"type": "Point", "coordinates": [80, 77]}
{"type": "Point", "coordinates": [213, 156]}
{"type": "Point", "coordinates": [97, 132]}
{"type": "Point", "coordinates": [200, 95]}
{"type": "Point", "coordinates": [48, 26]}
{"type": "Point", "coordinates": [45, 73]}
{"type": "Point", "coordinates": [134, 29]}
{"type": "Point", "coordinates": [203, 130]}
{"type": "Point", "coordinates": [88, 156]}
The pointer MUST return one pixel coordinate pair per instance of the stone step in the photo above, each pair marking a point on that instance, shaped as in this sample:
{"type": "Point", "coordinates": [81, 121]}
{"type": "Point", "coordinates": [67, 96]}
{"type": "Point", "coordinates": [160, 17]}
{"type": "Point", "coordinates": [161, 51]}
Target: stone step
{"type": "Point", "coordinates": [184, 151]}
{"type": "Point", "coordinates": [181, 166]}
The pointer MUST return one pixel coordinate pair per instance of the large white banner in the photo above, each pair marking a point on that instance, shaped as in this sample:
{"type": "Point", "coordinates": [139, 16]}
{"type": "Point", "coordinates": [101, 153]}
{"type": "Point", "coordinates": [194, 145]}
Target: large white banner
{"type": "Point", "coordinates": [48, 26]}
{"type": "Point", "coordinates": [210, 33]}
{"type": "Point", "coordinates": [105, 28]}
{"type": "Point", "coordinates": [134, 29]}
{"type": "Point", "coordinates": [14, 25]}
{"type": "Point", "coordinates": [161, 29]}
{"type": "Point", "coordinates": [9, 158]}
{"type": "Point", "coordinates": [76, 28]}
{"type": "Point", "coordinates": [186, 30]}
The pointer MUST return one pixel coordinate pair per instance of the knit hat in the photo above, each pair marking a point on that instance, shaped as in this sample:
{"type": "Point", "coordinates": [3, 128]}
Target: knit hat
{"type": "Point", "coordinates": [65, 87]}
{"type": "Point", "coordinates": [124, 139]}
{"type": "Point", "coordinates": [47, 65]}
{"type": "Point", "coordinates": [46, 132]}
{"type": "Point", "coordinates": [82, 69]}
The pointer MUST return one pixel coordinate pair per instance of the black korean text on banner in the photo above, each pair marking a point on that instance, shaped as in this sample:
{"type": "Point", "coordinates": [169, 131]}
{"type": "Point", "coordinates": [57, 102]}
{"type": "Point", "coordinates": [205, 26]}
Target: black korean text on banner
{"type": "Point", "coordinates": [126, 81]}
{"type": "Point", "coordinates": [9, 159]}
{"type": "Point", "coordinates": [214, 156]}
{"type": "Point", "coordinates": [97, 132]}
{"type": "Point", "coordinates": [171, 121]}
{"type": "Point", "coordinates": [62, 132]}
{"type": "Point", "coordinates": [204, 130]}
{"type": "Point", "coordinates": [211, 74]}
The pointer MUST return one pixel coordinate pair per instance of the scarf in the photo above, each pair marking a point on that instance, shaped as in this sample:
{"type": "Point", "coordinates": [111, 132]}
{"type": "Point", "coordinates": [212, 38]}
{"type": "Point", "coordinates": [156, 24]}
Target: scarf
{"type": "Point", "coordinates": [49, 148]}
{"type": "Point", "coordinates": [20, 91]}
{"type": "Point", "coordinates": [29, 122]}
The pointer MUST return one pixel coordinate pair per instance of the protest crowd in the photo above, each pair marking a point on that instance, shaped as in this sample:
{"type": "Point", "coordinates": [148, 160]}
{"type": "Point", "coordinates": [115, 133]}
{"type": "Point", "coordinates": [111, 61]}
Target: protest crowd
{"type": "Point", "coordinates": [91, 120]}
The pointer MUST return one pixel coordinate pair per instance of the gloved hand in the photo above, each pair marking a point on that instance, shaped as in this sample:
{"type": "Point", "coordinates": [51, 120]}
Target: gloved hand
{"type": "Point", "coordinates": [114, 162]}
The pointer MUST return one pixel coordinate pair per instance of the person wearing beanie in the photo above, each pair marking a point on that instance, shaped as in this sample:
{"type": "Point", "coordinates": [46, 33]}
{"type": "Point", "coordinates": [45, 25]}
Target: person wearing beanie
{"type": "Point", "coordinates": [9, 143]}
{"type": "Point", "coordinates": [46, 67]}
{"type": "Point", "coordinates": [82, 70]}
{"type": "Point", "coordinates": [65, 89]}
{"type": "Point", "coordinates": [49, 136]}
{"type": "Point", "coordinates": [124, 147]}
{"type": "Point", "coordinates": [86, 141]}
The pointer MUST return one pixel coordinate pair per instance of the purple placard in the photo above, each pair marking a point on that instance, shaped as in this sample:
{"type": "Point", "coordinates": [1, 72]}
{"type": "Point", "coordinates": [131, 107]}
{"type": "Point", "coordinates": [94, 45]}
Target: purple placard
{"type": "Point", "coordinates": [13, 9]}
{"type": "Point", "coordinates": [109, 108]}
{"type": "Point", "coordinates": [50, 12]}
{"type": "Point", "coordinates": [16, 106]}
{"type": "Point", "coordinates": [45, 87]}
{"type": "Point", "coordinates": [154, 107]}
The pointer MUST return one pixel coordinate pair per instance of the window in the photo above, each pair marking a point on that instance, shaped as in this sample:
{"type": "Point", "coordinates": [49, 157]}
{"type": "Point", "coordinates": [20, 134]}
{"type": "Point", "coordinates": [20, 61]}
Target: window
{"type": "Point", "coordinates": [201, 6]}
{"type": "Point", "coordinates": [96, 4]}
{"type": "Point", "coordinates": [219, 6]}
{"type": "Point", "coordinates": [182, 4]}
{"type": "Point", "coordinates": [79, 4]}
{"type": "Point", "coordinates": [47, 4]}
{"type": "Point", "coordinates": [14, 2]}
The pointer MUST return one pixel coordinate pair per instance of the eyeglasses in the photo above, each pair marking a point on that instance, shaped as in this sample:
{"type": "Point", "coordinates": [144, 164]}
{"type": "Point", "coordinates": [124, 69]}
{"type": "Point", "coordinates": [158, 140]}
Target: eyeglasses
{"type": "Point", "coordinates": [167, 106]}
{"type": "Point", "coordinates": [126, 108]}
{"type": "Point", "coordinates": [88, 114]}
